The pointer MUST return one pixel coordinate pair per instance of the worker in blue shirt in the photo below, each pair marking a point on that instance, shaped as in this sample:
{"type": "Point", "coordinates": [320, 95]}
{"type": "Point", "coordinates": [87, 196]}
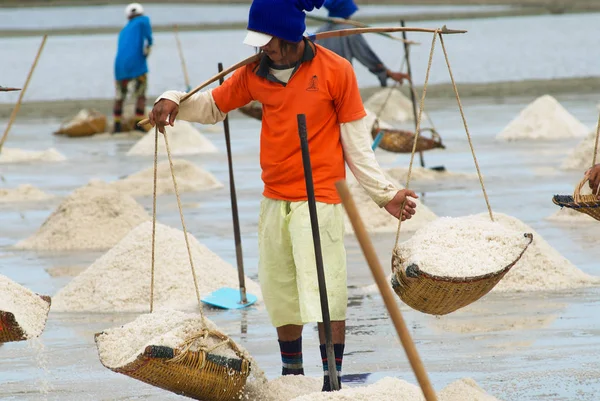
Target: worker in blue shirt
{"type": "Point", "coordinates": [131, 69]}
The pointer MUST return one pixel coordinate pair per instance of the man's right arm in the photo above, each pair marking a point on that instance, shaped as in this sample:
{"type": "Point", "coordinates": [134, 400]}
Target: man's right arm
{"type": "Point", "coordinates": [199, 108]}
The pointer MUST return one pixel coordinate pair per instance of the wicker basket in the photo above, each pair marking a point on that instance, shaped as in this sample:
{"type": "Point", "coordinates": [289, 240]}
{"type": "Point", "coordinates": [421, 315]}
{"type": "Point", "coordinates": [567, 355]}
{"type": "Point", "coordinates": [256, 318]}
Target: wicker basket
{"type": "Point", "coordinates": [9, 327]}
{"type": "Point", "coordinates": [401, 141]}
{"type": "Point", "coordinates": [588, 204]}
{"type": "Point", "coordinates": [195, 374]}
{"type": "Point", "coordinates": [93, 123]}
{"type": "Point", "coordinates": [252, 109]}
{"type": "Point", "coordinates": [438, 295]}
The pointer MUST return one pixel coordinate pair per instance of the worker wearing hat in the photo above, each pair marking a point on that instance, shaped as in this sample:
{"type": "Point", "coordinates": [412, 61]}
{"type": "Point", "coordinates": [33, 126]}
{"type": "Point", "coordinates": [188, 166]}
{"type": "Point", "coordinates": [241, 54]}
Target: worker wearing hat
{"type": "Point", "coordinates": [131, 69]}
{"type": "Point", "coordinates": [293, 77]}
{"type": "Point", "coordinates": [354, 47]}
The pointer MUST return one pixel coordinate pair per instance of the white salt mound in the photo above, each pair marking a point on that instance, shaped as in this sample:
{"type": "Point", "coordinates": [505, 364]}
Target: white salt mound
{"type": "Point", "coordinates": [119, 281]}
{"type": "Point", "coordinates": [581, 157]}
{"type": "Point", "coordinates": [541, 268]}
{"type": "Point", "coordinates": [23, 193]}
{"type": "Point", "coordinates": [393, 389]}
{"type": "Point", "coordinates": [370, 120]}
{"type": "Point", "coordinates": [398, 107]}
{"type": "Point", "coordinates": [462, 247]}
{"type": "Point", "coordinates": [13, 155]}
{"type": "Point", "coordinates": [92, 217]}
{"type": "Point", "coordinates": [282, 388]}
{"type": "Point", "coordinates": [120, 346]}
{"type": "Point", "coordinates": [544, 118]}
{"type": "Point", "coordinates": [29, 309]}
{"type": "Point", "coordinates": [189, 178]}
{"type": "Point", "coordinates": [377, 219]}
{"type": "Point", "coordinates": [419, 173]}
{"type": "Point", "coordinates": [184, 139]}
{"type": "Point", "coordinates": [567, 215]}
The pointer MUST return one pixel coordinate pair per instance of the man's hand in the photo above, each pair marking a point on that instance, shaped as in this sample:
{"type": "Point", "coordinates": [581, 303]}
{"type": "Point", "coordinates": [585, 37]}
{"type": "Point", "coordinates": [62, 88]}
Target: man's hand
{"type": "Point", "coordinates": [398, 76]}
{"type": "Point", "coordinates": [594, 175]}
{"type": "Point", "coordinates": [394, 207]}
{"type": "Point", "coordinates": [147, 50]}
{"type": "Point", "coordinates": [162, 109]}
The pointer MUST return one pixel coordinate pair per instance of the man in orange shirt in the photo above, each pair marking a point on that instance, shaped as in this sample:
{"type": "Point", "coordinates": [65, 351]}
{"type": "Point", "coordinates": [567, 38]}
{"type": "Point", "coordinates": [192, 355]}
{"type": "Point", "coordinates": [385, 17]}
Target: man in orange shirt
{"type": "Point", "coordinates": [296, 76]}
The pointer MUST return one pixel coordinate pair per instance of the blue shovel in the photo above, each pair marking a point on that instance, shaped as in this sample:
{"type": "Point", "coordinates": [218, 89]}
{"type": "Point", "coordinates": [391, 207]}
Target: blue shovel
{"type": "Point", "coordinates": [377, 140]}
{"type": "Point", "coordinates": [232, 298]}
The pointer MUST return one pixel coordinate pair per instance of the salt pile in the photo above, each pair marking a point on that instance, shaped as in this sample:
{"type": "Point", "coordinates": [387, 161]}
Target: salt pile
{"type": "Point", "coordinates": [189, 178]}
{"type": "Point", "coordinates": [14, 155]}
{"type": "Point", "coordinates": [370, 121]}
{"type": "Point", "coordinates": [544, 118]}
{"type": "Point", "coordinates": [425, 174]}
{"type": "Point", "coordinates": [541, 268]}
{"type": "Point", "coordinates": [581, 157]}
{"type": "Point", "coordinates": [120, 346]}
{"type": "Point", "coordinates": [377, 219]}
{"type": "Point", "coordinates": [23, 193]}
{"type": "Point", "coordinates": [119, 281]}
{"type": "Point", "coordinates": [387, 389]}
{"type": "Point", "coordinates": [462, 247]}
{"type": "Point", "coordinates": [29, 309]}
{"type": "Point", "coordinates": [184, 139]}
{"type": "Point", "coordinates": [92, 217]}
{"type": "Point", "coordinates": [398, 107]}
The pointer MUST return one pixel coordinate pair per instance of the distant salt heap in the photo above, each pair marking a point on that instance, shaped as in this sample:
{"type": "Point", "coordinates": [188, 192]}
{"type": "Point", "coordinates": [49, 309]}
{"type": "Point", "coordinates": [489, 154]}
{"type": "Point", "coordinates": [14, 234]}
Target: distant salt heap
{"type": "Point", "coordinates": [29, 309]}
{"type": "Point", "coordinates": [398, 107]}
{"type": "Point", "coordinates": [301, 388]}
{"type": "Point", "coordinates": [14, 155]}
{"type": "Point", "coordinates": [22, 193]}
{"type": "Point", "coordinates": [419, 173]}
{"type": "Point", "coordinates": [370, 120]}
{"type": "Point", "coordinates": [92, 217]}
{"type": "Point", "coordinates": [377, 219]}
{"type": "Point", "coordinates": [184, 139]}
{"type": "Point", "coordinates": [119, 346]}
{"type": "Point", "coordinates": [541, 268]}
{"type": "Point", "coordinates": [119, 281]}
{"type": "Point", "coordinates": [542, 119]}
{"type": "Point", "coordinates": [581, 157]}
{"type": "Point", "coordinates": [189, 178]}
{"type": "Point", "coordinates": [462, 247]}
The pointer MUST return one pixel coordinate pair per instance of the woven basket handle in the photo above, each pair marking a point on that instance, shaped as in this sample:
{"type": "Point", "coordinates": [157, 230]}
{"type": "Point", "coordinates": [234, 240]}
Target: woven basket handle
{"type": "Point", "coordinates": [577, 193]}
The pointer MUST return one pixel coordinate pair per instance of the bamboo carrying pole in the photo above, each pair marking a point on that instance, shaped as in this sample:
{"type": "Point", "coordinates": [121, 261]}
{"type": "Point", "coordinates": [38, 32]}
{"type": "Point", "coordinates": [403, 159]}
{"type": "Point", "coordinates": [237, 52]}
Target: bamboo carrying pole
{"type": "Point", "coordinates": [357, 24]}
{"type": "Point", "coordinates": [234, 209]}
{"type": "Point", "coordinates": [188, 87]}
{"type": "Point", "coordinates": [317, 36]}
{"type": "Point", "coordinates": [386, 291]}
{"type": "Point", "coordinates": [18, 105]}
{"type": "Point", "coordinates": [314, 222]}
{"type": "Point", "coordinates": [5, 89]}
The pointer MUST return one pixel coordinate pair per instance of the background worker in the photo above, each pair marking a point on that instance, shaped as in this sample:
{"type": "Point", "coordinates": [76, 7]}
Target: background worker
{"type": "Point", "coordinates": [131, 69]}
{"type": "Point", "coordinates": [296, 76]}
{"type": "Point", "coordinates": [354, 46]}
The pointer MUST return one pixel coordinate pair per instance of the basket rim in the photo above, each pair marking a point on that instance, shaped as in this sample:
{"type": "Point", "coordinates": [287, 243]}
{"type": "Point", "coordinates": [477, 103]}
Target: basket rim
{"type": "Point", "coordinates": [472, 279]}
{"type": "Point", "coordinates": [575, 205]}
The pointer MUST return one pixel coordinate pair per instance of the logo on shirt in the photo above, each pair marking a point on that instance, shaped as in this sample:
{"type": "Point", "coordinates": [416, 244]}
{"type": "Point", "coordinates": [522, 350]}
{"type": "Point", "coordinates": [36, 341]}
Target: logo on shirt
{"type": "Point", "coordinates": [313, 85]}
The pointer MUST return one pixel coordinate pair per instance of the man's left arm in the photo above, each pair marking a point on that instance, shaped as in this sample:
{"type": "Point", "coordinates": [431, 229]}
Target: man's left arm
{"type": "Point", "coordinates": [148, 34]}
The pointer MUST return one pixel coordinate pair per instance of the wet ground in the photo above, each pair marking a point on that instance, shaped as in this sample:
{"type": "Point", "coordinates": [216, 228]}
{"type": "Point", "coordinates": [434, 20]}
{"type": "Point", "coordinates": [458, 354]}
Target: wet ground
{"type": "Point", "coordinates": [519, 347]}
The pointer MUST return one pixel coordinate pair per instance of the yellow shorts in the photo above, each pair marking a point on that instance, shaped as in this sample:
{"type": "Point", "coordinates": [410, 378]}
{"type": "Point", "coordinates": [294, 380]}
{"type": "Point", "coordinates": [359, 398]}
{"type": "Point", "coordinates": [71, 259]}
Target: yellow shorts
{"type": "Point", "coordinates": [287, 270]}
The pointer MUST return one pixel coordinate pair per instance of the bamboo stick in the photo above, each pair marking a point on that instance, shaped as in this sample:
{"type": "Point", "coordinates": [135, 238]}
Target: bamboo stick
{"type": "Point", "coordinates": [386, 291]}
{"type": "Point", "coordinates": [18, 105]}
{"type": "Point", "coordinates": [188, 87]}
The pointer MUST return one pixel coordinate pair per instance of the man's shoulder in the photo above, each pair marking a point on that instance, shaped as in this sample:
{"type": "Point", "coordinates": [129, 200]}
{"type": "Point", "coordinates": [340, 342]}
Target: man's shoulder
{"type": "Point", "coordinates": [332, 59]}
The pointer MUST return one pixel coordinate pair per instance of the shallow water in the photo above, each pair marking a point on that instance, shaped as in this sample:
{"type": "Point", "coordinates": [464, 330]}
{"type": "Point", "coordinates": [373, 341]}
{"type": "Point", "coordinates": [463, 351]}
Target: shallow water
{"type": "Point", "coordinates": [493, 50]}
{"type": "Point", "coordinates": [518, 347]}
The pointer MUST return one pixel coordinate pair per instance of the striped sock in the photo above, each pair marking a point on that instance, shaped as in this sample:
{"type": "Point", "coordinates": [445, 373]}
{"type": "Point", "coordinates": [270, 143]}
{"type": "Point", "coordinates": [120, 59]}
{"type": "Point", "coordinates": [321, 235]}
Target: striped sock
{"type": "Point", "coordinates": [338, 350]}
{"type": "Point", "coordinates": [291, 357]}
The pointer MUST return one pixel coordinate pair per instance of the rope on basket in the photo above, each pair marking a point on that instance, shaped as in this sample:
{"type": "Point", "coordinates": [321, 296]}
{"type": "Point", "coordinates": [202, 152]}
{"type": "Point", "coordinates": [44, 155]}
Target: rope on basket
{"type": "Point", "coordinates": [417, 130]}
{"type": "Point", "coordinates": [203, 334]}
{"type": "Point", "coordinates": [596, 143]}
{"type": "Point", "coordinates": [396, 83]}
{"type": "Point", "coordinates": [185, 234]}
{"type": "Point", "coordinates": [462, 114]}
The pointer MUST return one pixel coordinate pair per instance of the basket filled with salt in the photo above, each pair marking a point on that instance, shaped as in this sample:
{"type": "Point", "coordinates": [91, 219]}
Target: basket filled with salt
{"type": "Point", "coordinates": [402, 141]}
{"type": "Point", "coordinates": [180, 352]}
{"type": "Point", "coordinates": [588, 204]}
{"type": "Point", "coordinates": [23, 313]}
{"type": "Point", "coordinates": [452, 262]}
